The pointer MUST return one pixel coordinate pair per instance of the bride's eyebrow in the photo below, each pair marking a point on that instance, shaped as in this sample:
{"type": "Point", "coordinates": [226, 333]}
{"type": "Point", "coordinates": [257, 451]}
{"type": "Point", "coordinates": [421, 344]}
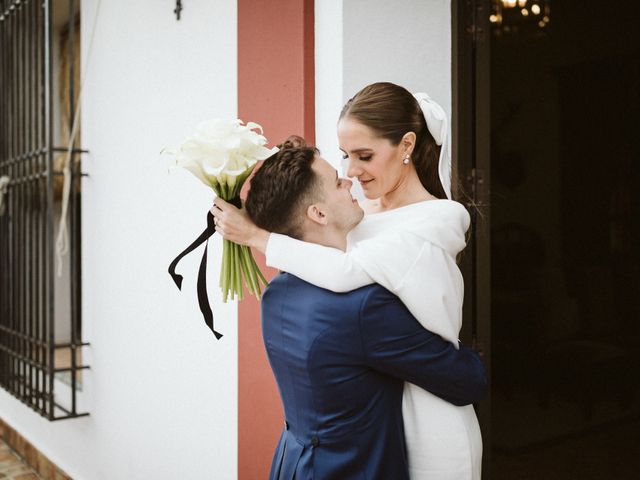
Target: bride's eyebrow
{"type": "Point", "coordinates": [360, 150]}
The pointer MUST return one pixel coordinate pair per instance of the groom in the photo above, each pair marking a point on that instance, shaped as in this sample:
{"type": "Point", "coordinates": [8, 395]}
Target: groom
{"type": "Point", "coordinates": [340, 360]}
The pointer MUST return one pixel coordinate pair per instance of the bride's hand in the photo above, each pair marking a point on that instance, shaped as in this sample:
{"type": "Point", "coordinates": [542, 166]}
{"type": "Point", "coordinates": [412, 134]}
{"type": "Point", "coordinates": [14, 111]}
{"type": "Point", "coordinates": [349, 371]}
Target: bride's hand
{"type": "Point", "coordinates": [235, 225]}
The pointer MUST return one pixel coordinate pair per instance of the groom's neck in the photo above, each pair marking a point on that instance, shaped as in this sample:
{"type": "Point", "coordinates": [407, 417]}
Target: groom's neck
{"type": "Point", "coordinates": [326, 238]}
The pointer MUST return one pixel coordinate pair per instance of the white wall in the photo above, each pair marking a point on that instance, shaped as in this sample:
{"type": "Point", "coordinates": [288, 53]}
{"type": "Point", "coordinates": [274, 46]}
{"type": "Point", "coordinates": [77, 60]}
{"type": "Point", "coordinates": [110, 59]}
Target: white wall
{"type": "Point", "coordinates": [162, 391]}
{"type": "Point", "coordinates": [359, 42]}
{"type": "Point", "coordinates": [329, 75]}
{"type": "Point", "coordinates": [407, 42]}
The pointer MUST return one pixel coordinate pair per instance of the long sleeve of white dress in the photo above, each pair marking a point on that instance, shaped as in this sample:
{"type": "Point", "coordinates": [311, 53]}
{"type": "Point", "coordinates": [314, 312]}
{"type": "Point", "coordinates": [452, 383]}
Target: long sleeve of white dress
{"type": "Point", "coordinates": [324, 267]}
{"type": "Point", "coordinates": [410, 251]}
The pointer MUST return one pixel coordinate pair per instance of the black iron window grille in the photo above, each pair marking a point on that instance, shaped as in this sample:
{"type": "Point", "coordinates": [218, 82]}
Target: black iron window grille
{"type": "Point", "coordinates": [40, 317]}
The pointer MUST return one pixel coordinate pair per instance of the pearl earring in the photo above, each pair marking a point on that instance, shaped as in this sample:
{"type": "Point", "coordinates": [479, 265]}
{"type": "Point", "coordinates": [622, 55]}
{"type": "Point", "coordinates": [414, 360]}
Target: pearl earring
{"type": "Point", "coordinates": [406, 159]}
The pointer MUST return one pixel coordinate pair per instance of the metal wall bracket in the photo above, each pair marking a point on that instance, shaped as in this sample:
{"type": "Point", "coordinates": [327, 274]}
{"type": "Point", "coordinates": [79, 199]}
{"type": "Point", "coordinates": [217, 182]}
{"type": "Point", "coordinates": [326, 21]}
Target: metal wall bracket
{"type": "Point", "coordinates": [178, 9]}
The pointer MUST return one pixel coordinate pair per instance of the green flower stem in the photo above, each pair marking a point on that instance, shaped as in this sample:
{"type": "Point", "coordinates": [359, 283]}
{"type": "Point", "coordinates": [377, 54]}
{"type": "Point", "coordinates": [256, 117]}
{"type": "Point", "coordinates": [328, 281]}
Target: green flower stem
{"type": "Point", "coordinates": [238, 265]}
{"type": "Point", "coordinates": [245, 273]}
{"type": "Point", "coordinates": [236, 273]}
{"type": "Point", "coordinates": [234, 269]}
{"type": "Point", "coordinates": [229, 284]}
{"type": "Point", "coordinates": [224, 272]}
{"type": "Point", "coordinates": [228, 267]}
{"type": "Point", "coordinates": [260, 278]}
{"type": "Point", "coordinates": [236, 259]}
{"type": "Point", "coordinates": [255, 267]}
{"type": "Point", "coordinates": [250, 274]}
{"type": "Point", "coordinates": [254, 278]}
{"type": "Point", "coordinates": [256, 274]}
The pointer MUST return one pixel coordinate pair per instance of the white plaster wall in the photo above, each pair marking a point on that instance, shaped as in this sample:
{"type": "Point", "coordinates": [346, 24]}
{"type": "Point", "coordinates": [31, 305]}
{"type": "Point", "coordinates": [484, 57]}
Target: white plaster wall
{"type": "Point", "coordinates": [328, 76]}
{"type": "Point", "coordinates": [407, 42]}
{"type": "Point", "coordinates": [359, 42]}
{"type": "Point", "coordinates": [162, 391]}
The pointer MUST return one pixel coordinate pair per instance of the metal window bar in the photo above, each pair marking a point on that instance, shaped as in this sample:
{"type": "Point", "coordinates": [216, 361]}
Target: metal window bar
{"type": "Point", "coordinates": [28, 341]}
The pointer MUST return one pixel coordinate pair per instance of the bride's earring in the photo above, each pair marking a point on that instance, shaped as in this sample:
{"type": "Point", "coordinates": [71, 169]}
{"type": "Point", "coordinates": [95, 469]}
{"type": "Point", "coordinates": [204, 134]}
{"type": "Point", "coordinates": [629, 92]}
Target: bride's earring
{"type": "Point", "coordinates": [406, 159]}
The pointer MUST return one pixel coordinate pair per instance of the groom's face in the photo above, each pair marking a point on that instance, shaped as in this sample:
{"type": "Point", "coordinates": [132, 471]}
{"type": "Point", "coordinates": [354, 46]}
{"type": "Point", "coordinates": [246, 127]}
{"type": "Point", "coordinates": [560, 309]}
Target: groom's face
{"type": "Point", "coordinates": [341, 210]}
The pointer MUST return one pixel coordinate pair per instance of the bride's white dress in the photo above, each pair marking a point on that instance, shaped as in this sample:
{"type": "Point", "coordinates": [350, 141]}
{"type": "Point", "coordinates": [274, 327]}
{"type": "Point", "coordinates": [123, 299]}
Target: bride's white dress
{"type": "Point", "coordinates": [411, 251]}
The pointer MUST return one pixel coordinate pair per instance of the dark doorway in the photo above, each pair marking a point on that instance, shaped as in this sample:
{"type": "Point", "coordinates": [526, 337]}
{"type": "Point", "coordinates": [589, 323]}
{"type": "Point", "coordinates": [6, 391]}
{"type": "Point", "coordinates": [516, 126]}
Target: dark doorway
{"type": "Point", "coordinates": [565, 238]}
{"type": "Point", "coordinates": [563, 221]}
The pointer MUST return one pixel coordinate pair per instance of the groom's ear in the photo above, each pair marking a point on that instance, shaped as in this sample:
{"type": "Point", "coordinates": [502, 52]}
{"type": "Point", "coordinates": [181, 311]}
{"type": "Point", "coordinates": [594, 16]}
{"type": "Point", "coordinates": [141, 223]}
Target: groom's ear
{"type": "Point", "coordinates": [316, 214]}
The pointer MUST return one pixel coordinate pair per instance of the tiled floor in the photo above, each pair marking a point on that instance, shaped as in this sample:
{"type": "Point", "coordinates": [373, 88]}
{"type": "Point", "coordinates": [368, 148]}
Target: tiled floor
{"type": "Point", "coordinates": [12, 467]}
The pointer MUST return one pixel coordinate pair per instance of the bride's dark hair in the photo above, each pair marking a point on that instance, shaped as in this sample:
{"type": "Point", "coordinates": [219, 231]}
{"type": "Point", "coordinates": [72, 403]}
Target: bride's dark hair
{"type": "Point", "coordinates": [391, 111]}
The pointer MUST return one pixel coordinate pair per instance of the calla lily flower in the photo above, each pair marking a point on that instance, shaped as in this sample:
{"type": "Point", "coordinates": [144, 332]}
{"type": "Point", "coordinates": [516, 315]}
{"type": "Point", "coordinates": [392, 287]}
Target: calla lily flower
{"type": "Point", "coordinates": [222, 154]}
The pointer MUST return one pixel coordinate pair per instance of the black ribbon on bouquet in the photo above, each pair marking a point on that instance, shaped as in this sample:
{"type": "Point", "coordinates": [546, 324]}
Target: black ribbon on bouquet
{"type": "Point", "coordinates": [203, 298]}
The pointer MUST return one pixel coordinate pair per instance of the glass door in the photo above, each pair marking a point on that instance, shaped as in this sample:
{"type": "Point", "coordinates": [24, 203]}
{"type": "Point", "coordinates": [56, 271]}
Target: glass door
{"type": "Point", "coordinates": [555, 289]}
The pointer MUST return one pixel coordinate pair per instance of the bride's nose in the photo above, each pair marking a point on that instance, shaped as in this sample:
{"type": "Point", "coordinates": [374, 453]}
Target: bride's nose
{"type": "Point", "coordinates": [352, 169]}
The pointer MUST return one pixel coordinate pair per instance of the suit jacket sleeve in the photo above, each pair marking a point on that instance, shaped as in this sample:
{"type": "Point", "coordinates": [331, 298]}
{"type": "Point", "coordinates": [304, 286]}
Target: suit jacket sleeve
{"type": "Point", "coordinates": [397, 345]}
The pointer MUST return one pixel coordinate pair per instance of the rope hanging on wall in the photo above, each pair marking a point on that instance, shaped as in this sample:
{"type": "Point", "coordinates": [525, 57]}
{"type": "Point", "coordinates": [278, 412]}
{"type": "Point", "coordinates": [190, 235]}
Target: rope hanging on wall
{"type": "Point", "coordinates": [62, 242]}
{"type": "Point", "coordinates": [4, 188]}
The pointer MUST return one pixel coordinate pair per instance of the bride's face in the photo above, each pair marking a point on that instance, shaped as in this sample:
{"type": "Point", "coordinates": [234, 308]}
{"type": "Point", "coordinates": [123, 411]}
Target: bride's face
{"type": "Point", "coordinates": [374, 161]}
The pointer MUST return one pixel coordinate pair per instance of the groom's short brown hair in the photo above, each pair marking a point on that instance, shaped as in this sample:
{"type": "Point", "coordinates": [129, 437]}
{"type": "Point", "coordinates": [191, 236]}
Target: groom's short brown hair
{"type": "Point", "coordinates": [283, 187]}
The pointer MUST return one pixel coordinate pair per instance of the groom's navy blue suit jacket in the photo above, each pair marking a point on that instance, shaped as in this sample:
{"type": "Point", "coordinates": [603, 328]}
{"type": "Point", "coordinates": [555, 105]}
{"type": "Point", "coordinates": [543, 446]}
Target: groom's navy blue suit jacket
{"type": "Point", "coordinates": [340, 360]}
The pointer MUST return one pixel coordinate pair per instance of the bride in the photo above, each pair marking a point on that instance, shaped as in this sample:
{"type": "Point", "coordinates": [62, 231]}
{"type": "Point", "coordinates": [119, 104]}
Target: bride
{"type": "Point", "coordinates": [396, 146]}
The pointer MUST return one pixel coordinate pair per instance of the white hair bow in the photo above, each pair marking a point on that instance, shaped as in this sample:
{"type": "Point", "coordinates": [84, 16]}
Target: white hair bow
{"type": "Point", "coordinates": [438, 126]}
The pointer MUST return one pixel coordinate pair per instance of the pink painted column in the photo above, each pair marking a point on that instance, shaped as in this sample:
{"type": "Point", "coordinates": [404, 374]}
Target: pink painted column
{"type": "Point", "coordinates": [276, 90]}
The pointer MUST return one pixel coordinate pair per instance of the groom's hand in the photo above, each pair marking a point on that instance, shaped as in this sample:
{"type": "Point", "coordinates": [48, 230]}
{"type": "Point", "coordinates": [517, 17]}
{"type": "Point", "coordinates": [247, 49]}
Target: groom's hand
{"type": "Point", "coordinates": [235, 225]}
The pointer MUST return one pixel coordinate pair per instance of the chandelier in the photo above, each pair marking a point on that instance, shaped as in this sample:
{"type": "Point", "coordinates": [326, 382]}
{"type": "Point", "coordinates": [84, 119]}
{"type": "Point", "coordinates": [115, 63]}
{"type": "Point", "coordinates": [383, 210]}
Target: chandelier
{"type": "Point", "coordinates": [513, 16]}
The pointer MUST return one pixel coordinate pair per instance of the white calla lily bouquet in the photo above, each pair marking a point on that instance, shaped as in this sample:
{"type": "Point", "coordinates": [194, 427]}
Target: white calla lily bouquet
{"type": "Point", "coordinates": [222, 154]}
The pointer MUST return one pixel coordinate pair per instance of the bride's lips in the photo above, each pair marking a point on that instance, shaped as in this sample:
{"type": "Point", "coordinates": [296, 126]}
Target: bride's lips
{"type": "Point", "coordinates": [365, 182]}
